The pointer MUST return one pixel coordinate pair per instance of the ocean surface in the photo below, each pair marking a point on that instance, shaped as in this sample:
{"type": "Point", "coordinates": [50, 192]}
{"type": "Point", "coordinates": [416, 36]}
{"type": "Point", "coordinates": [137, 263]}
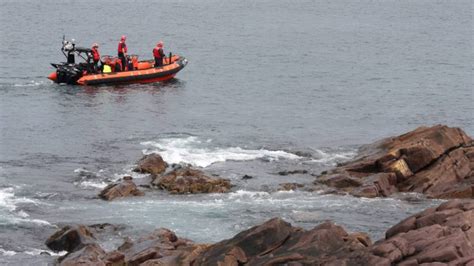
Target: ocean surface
{"type": "Point", "coordinates": [270, 86]}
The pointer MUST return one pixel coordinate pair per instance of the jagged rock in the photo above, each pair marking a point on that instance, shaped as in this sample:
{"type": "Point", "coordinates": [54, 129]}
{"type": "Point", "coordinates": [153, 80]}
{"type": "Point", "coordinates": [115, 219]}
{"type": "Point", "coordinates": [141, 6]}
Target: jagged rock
{"type": "Point", "coordinates": [437, 235]}
{"type": "Point", "coordinates": [123, 189]}
{"type": "Point", "coordinates": [161, 246]}
{"type": "Point", "coordinates": [151, 164]}
{"type": "Point", "coordinates": [90, 254]}
{"type": "Point", "coordinates": [442, 235]}
{"type": "Point", "coordinates": [188, 180]}
{"type": "Point", "coordinates": [276, 242]}
{"type": "Point", "coordinates": [437, 161]}
{"type": "Point", "coordinates": [70, 238]}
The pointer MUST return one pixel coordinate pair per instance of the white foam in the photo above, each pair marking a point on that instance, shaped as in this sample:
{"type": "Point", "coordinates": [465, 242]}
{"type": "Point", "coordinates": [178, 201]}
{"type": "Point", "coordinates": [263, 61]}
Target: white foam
{"type": "Point", "coordinates": [8, 202]}
{"type": "Point", "coordinates": [31, 83]}
{"type": "Point", "coordinates": [36, 252]}
{"type": "Point", "coordinates": [91, 184]}
{"type": "Point", "coordinates": [245, 193]}
{"type": "Point", "coordinates": [7, 252]}
{"type": "Point", "coordinates": [7, 199]}
{"type": "Point", "coordinates": [80, 170]}
{"type": "Point", "coordinates": [333, 157]}
{"type": "Point", "coordinates": [192, 151]}
{"type": "Point", "coordinates": [100, 181]}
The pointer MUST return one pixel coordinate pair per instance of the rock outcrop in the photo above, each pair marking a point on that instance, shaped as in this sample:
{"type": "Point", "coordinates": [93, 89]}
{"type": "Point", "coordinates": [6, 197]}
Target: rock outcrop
{"type": "Point", "coordinates": [443, 235]}
{"type": "Point", "coordinates": [187, 180]}
{"type": "Point", "coordinates": [276, 242]}
{"type": "Point", "coordinates": [79, 242]}
{"type": "Point", "coordinates": [70, 238]}
{"type": "Point", "coordinates": [125, 188]}
{"type": "Point", "coordinates": [162, 247]}
{"type": "Point", "coordinates": [151, 164]}
{"type": "Point", "coordinates": [437, 161]}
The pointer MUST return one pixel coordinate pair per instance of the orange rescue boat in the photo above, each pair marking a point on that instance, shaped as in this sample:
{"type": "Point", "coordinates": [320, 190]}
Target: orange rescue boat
{"type": "Point", "coordinates": [136, 71]}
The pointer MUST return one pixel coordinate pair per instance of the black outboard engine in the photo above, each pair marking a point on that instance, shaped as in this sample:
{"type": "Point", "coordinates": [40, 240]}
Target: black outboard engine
{"type": "Point", "coordinates": [68, 73]}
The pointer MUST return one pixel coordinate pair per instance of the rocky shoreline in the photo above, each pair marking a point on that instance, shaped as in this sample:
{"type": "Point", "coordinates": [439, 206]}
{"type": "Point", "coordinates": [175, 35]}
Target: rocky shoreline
{"type": "Point", "coordinates": [443, 235]}
{"type": "Point", "coordinates": [436, 161]}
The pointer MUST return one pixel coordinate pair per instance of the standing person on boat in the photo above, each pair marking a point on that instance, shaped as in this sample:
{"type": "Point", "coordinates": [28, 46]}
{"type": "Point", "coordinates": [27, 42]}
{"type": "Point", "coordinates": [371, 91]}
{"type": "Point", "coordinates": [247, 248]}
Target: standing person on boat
{"type": "Point", "coordinates": [122, 51]}
{"type": "Point", "coordinates": [158, 54]}
{"type": "Point", "coordinates": [96, 58]}
{"type": "Point", "coordinates": [69, 47]}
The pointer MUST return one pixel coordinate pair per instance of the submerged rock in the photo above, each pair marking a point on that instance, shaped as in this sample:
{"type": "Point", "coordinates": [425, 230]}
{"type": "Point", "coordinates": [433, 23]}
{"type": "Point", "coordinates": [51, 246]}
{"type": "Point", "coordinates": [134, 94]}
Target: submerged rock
{"type": "Point", "coordinates": [293, 172]}
{"type": "Point", "coordinates": [123, 189]}
{"type": "Point", "coordinates": [151, 164]}
{"type": "Point", "coordinates": [187, 180]}
{"type": "Point", "coordinates": [246, 177]}
{"type": "Point", "coordinates": [437, 161]}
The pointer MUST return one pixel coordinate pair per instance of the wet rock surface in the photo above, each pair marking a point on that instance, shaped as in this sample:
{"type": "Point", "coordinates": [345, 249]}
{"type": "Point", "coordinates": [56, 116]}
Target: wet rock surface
{"type": "Point", "coordinates": [437, 235]}
{"type": "Point", "coordinates": [187, 180]}
{"type": "Point", "coordinates": [443, 235]}
{"type": "Point", "coordinates": [276, 242]}
{"type": "Point", "coordinates": [70, 238]}
{"type": "Point", "coordinates": [437, 161]}
{"type": "Point", "coordinates": [151, 164]}
{"type": "Point", "coordinates": [124, 188]}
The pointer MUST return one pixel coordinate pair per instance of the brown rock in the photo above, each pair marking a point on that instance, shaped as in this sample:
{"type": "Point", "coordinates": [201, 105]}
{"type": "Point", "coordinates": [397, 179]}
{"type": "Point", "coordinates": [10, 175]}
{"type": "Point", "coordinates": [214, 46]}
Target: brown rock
{"type": "Point", "coordinates": [70, 238]}
{"type": "Point", "coordinates": [442, 235]}
{"type": "Point", "coordinates": [276, 242]}
{"type": "Point", "coordinates": [188, 180]}
{"type": "Point", "coordinates": [151, 164]}
{"type": "Point", "coordinates": [363, 238]}
{"type": "Point", "coordinates": [437, 161]}
{"type": "Point", "coordinates": [161, 247]}
{"type": "Point", "coordinates": [125, 188]}
{"type": "Point", "coordinates": [90, 254]}
{"type": "Point", "coordinates": [257, 240]}
{"type": "Point", "coordinates": [436, 235]}
{"type": "Point", "coordinates": [114, 258]}
{"type": "Point", "coordinates": [341, 181]}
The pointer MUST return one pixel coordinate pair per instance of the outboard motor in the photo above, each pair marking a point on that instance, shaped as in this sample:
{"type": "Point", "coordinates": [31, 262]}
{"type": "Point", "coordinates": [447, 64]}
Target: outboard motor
{"type": "Point", "coordinates": [68, 73]}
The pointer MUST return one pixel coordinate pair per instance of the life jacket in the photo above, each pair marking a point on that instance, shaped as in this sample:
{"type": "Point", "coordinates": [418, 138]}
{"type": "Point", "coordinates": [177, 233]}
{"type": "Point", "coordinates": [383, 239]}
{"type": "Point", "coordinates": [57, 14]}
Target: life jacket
{"type": "Point", "coordinates": [95, 55]}
{"type": "Point", "coordinates": [122, 45]}
{"type": "Point", "coordinates": [158, 52]}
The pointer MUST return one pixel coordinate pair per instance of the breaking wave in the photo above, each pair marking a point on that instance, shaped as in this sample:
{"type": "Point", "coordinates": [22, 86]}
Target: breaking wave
{"type": "Point", "coordinates": [9, 212]}
{"type": "Point", "coordinates": [193, 151]}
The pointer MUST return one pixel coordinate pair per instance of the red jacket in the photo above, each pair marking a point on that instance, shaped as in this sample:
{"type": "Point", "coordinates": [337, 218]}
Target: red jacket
{"type": "Point", "coordinates": [158, 52]}
{"type": "Point", "coordinates": [121, 46]}
{"type": "Point", "coordinates": [95, 54]}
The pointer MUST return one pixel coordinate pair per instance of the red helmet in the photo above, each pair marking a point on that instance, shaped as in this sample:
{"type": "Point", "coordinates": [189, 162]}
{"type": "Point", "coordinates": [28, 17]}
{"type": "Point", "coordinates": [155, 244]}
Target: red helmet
{"type": "Point", "coordinates": [160, 44]}
{"type": "Point", "coordinates": [123, 38]}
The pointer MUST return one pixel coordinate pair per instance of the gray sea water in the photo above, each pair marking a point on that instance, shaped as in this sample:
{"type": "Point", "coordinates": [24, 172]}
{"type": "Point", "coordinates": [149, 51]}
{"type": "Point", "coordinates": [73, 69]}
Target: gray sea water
{"type": "Point", "coordinates": [267, 80]}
